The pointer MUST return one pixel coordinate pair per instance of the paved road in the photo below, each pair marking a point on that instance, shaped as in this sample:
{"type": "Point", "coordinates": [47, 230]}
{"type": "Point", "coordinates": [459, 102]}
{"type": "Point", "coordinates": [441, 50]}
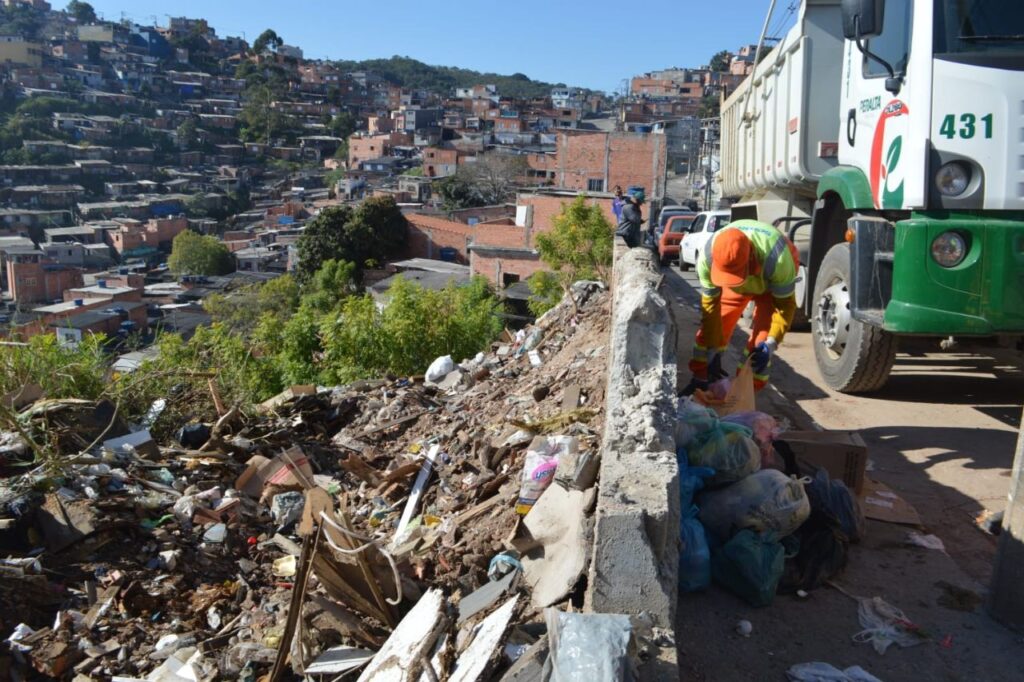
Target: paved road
{"type": "Point", "coordinates": [941, 434]}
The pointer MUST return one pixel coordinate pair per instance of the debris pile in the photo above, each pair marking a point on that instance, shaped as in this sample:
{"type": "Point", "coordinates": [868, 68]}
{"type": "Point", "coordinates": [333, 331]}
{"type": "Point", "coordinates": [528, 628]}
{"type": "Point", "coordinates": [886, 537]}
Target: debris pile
{"type": "Point", "coordinates": [385, 525]}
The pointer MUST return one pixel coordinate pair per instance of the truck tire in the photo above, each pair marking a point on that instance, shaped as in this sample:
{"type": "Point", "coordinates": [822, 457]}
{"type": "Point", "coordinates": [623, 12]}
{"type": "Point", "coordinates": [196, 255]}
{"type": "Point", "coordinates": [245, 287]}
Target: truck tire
{"type": "Point", "coordinates": [852, 357]}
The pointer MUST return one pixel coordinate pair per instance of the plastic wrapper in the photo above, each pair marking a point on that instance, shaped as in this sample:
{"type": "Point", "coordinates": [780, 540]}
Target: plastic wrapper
{"type": "Point", "coordinates": [588, 646]}
{"type": "Point", "coordinates": [750, 566]}
{"type": "Point", "coordinates": [539, 467]}
{"type": "Point", "coordinates": [728, 449]}
{"type": "Point", "coordinates": [765, 501]}
{"type": "Point", "coordinates": [764, 429]}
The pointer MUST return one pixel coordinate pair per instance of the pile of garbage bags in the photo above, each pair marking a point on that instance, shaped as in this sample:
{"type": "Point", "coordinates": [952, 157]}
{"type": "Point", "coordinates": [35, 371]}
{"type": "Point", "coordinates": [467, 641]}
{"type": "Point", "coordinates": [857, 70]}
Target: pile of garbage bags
{"type": "Point", "coordinates": [753, 522]}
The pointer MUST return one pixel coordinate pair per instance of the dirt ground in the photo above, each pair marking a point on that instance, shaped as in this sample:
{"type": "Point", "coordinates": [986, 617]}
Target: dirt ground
{"type": "Point", "coordinates": [941, 434]}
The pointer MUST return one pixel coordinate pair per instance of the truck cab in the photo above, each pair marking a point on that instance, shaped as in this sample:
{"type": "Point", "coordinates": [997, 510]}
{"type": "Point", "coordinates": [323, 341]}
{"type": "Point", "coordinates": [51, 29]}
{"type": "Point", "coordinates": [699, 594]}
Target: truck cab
{"type": "Point", "coordinates": [897, 128]}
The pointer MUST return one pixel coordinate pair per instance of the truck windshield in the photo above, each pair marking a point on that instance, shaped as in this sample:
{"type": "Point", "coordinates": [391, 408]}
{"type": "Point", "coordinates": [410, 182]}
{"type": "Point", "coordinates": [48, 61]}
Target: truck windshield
{"type": "Point", "coordinates": [977, 27]}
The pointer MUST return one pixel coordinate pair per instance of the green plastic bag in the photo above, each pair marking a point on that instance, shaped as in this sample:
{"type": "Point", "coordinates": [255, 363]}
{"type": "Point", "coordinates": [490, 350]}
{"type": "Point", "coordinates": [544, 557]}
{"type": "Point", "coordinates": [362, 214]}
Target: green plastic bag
{"type": "Point", "coordinates": [750, 566]}
{"type": "Point", "coordinates": [729, 450]}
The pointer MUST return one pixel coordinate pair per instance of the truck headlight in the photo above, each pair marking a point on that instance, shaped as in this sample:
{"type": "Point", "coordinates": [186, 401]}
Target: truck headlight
{"type": "Point", "coordinates": [953, 178]}
{"type": "Point", "coordinates": [949, 249]}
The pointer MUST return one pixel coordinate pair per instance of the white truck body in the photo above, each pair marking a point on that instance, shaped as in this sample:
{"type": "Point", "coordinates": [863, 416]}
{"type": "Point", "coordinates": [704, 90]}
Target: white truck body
{"type": "Point", "coordinates": [778, 133]}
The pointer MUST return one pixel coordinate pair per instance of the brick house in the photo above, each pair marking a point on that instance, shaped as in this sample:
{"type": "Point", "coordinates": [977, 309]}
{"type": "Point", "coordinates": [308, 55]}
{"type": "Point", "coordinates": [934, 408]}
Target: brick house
{"type": "Point", "coordinates": [32, 278]}
{"type": "Point", "coordinates": [429, 234]}
{"type": "Point", "coordinates": [439, 162]}
{"type": "Point", "coordinates": [504, 251]}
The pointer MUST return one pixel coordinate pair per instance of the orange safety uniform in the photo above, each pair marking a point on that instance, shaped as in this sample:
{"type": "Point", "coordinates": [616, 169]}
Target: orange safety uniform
{"type": "Point", "coordinates": [767, 277]}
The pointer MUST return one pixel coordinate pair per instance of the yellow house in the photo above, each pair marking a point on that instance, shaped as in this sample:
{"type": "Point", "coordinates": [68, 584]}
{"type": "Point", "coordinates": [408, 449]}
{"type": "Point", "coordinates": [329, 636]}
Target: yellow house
{"type": "Point", "coordinates": [17, 50]}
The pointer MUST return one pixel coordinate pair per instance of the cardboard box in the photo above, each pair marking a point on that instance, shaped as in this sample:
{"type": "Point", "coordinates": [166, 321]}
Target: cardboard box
{"type": "Point", "coordinates": [842, 454]}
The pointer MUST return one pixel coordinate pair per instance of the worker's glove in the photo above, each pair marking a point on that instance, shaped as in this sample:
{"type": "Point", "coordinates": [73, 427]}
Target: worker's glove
{"type": "Point", "coordinates": [761, 358]}
{"type": "Point", "coordinates": [715, 371]}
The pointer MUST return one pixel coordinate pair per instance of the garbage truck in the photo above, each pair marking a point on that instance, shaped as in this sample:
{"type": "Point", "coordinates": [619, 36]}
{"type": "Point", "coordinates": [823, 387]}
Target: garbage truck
{"type": "Point", "coordinates": [886, 137]}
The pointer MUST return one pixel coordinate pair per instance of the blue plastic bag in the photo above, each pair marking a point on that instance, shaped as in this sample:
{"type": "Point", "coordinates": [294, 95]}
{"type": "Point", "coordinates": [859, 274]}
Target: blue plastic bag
{"type": "Point", "coordinates": [691, 479]}
{"type": "Point", "coordinates": [694, 555]}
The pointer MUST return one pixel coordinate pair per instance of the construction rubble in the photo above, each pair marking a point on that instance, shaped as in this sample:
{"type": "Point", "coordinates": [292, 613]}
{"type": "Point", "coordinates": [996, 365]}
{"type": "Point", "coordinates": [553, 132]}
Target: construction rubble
{"type": "Point", "coordinates": [379, 530]}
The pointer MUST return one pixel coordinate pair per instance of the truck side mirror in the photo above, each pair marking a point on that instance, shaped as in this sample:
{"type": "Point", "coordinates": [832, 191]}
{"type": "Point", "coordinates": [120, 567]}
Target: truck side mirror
{"type": "Point", "coordinates": [862, 18]}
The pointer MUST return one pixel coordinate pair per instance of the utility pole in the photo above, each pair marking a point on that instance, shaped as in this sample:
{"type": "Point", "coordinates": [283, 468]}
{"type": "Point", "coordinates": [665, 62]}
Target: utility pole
{"type": "Point", "coordinates": [1006, 598]}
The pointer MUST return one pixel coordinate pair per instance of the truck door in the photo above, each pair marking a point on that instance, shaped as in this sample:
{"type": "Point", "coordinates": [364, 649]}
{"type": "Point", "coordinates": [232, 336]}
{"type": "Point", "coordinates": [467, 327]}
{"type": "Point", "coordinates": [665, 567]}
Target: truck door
{"type": "Point", "coordinates": [876, 133]}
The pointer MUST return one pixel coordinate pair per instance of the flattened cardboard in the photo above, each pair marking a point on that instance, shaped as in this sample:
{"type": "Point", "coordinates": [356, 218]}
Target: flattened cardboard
{"type": "Point", "coordinates": [882, 504]}
{"type": "Point", "coordinates": [842, 454]}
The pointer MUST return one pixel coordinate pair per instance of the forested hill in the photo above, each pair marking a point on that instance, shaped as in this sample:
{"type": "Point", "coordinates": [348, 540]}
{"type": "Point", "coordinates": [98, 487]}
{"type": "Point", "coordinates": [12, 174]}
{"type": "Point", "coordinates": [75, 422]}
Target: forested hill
{"type": "Point", "coordinates": [412, 73]}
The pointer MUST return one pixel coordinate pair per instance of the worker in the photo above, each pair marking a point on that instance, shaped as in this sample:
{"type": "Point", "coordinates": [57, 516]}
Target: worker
{"type": "Point", "coordinates": [747, 261]}
{"type": "Point", "coordinates": [617, 204]}
{"type": "Point", "coordinates": [632, 219]}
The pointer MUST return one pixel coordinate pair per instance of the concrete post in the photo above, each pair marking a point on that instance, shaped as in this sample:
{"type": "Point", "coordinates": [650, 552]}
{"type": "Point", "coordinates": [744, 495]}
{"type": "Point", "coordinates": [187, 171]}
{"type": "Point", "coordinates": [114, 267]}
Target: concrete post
{"type": "Point", "coordinates": [1006, 599]}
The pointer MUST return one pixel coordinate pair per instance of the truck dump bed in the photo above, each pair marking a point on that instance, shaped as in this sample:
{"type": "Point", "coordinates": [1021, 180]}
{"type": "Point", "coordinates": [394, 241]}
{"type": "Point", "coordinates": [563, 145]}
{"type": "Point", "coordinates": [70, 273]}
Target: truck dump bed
{"type": "Point", "coordinates": [780, 126]}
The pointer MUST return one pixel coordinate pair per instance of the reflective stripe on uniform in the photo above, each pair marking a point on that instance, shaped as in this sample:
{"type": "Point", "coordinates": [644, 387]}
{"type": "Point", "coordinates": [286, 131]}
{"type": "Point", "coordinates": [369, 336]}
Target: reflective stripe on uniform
{"type": "Point", "coordinates": [783, 290]}
{"type": "Point", "coordinates": [772, 260]}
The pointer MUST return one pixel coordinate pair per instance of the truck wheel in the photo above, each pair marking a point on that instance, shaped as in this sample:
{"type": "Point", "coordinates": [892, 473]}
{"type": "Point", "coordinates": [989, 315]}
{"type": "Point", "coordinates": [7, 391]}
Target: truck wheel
{"type": "Point", "coordinates": [852, 357]}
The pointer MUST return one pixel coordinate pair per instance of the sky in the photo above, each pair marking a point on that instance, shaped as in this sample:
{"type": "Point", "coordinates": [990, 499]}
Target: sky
{"type": "Point", "coordinates": [594, 44]}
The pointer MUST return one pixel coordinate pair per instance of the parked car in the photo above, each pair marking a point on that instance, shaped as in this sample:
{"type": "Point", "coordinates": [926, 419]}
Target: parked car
{"type": "Point", "coordinates": [670, 211]}
{"type": "Point", "coordinates": [668, 241]}
{"type": "Point", "coordinates": [699, 233]}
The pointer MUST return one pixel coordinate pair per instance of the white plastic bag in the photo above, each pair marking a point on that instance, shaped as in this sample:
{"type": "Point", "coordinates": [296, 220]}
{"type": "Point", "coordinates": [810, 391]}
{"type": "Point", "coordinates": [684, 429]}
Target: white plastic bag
{"type": "Point", "coordinates": [440, 368]}
{"type": "Point", "coordinates": [884, 625]}
{"type": "Point", "coordinates": [539, 467]}
{"type": "Point", "coordinates": [823, 672]}
{"type": "Point", "coordinates": [767, 500]}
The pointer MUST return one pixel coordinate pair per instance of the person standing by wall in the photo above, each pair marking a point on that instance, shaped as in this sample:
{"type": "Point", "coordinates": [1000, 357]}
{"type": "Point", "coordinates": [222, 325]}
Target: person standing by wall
{"type": "Point", "coordinates": [631, 221]}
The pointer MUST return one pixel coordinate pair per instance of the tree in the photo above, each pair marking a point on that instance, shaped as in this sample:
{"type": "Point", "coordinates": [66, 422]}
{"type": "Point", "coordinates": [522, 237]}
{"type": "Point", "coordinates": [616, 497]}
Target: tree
{"type": "Point", "coordinates": [580, 244]}
{"type": "Point", "coordinates": [710, 106]}
{"type": "Point", "coordinates": [456, 192]}
{"type": "Point", "coordinates": [324, 239]}
{"type": "Point", "coordinates": [375, 231]}
{"type": "Point", "coordinates": [187, 134]}
{"type": "Point", "coordinates": [493, 177]}
{"type": "Point", "coordinates": [82, 12]}
{"type": "Point", "coordinates": [241, 310]}
{"type": "Point", "coordinates": [196, 254]}
{"type": "Point", "coordinates": [414, 327]}
{"type": "Point", "coordinates": [260, 120]}
{"type": "Point", "coordinates": [268, 38]}
{"type": "Point", "coordinates": [342, 125]}
{"type": "Point", "coordinates": [545, 292]}
{"type": "Point", "coordinates": [720, 62]}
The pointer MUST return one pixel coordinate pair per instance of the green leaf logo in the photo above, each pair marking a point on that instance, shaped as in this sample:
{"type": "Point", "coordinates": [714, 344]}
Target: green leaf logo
{"type": "Point", "coordinates": [894, 198]}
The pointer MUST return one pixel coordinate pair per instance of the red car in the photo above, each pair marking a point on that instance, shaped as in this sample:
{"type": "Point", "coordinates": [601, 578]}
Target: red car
{"type": "Point", "coordinates": [668, 241]}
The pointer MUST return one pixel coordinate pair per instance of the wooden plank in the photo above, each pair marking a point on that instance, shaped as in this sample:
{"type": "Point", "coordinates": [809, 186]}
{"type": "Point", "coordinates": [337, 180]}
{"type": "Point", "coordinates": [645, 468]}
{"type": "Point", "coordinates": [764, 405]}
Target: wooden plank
{"type": "Point", "coordinates": [402, 657]}
{"type": "Point", "coordinates": [393, 423]}
{"type": "Point", "coordinates": [473, 663]}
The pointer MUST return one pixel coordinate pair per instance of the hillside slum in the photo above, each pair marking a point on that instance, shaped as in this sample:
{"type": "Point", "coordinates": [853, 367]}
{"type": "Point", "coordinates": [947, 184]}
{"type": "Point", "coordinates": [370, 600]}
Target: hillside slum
{"type": "Point", "coordinates": [380, 529]}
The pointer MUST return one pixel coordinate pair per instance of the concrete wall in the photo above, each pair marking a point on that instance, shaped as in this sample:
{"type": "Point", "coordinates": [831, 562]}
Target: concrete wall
{"type": "Point", "coordinates": [636, 545]}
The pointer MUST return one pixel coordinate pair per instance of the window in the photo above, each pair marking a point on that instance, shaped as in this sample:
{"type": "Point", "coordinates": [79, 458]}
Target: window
{"type": "Point", "coordinates": [894, 44]}
{"type": "Point", "coordinates": [697, 225]}
{"type": "Point", "coordinates": [508, 278]}
{"type": "Point", "coordinates": [595, 185]}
